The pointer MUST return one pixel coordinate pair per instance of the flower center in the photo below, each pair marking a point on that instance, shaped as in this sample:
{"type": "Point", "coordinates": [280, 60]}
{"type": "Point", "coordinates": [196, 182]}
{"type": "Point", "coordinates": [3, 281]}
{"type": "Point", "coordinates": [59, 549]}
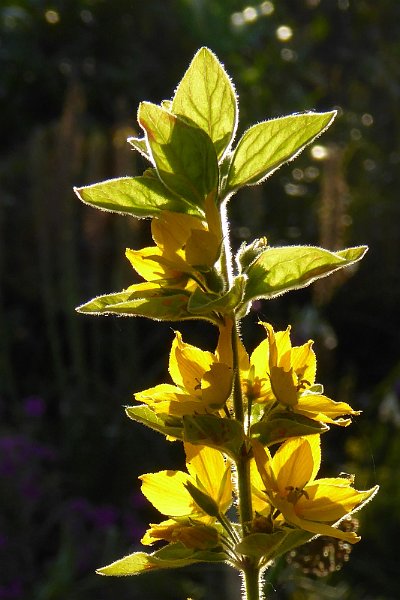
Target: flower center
{"type": "Point", "coordinates": [294, 494]}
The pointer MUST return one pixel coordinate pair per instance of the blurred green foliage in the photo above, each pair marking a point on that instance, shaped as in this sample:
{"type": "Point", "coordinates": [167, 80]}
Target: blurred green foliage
{"type": "Point", "coordinates": [71, 76]}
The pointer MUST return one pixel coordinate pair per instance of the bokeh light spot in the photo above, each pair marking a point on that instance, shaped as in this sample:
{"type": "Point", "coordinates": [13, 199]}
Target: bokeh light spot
{"type": "Point", "coordinates": [284, 33]}
{"type": "Point", "coordinates": [52, 17]}
{"type": "Point", "coordinates": [319, 152]}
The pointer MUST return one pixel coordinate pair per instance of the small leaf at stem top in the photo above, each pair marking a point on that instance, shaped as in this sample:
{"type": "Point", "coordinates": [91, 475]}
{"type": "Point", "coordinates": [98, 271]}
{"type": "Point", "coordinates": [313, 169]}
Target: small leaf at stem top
{"type": "Point", "coordinates": [184, 155]}
{"type": "Point", "coordinates": [206, 97]}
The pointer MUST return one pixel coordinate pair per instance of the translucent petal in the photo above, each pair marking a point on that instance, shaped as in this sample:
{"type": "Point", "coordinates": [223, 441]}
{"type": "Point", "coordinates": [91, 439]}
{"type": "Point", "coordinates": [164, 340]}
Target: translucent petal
{"type": "Point", "coordinates": [296, 462]}
{"type": "Point", "coordinates": [208, 466]}
{"type": "Point", "coordinates": [171, 230]}
{"type": "Point", "coordinates": [329, 503]}
{"type": "Point", "coordinates": [146, 263]}
{"type": "Point", "coordinates": [304, 363]}
{"type": "Point", "coordinates": [167, 493]}
{"type": "Point", "coordinates": [187, 365]}
{"type": "Point", "coordinates": [216, 385]}
{"type": "Point", "coordinates": [288, 511]}
{"type": "Point", "coordinates": [322, 406]}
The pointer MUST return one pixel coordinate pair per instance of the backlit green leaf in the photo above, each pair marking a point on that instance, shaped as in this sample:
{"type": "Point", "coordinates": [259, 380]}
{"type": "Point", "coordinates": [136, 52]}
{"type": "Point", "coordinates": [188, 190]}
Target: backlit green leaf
{"type": "Point", "coordinates": [161, 304]}
{"type": "Point", "coordinates": [202, 303]}
{"type": "Point", "coordinates": [267, 145]}
{"type": "Point", "coordinates": [268, 546]}
{"type": "Point", "coordinates": [169, 557]}
{"type": "Point", "coordinates": [137, 196]}
{"type": "Point", "coordinates": [184, 155]}
{"type": "Point", "coordinates": [284, 425]}
{"type": "Point", "coordinates": [278, 270]}
{"type": "Point", "coordinates": [140, 145]}
{"type": "Point", "coordinates": [206, 97]}
{"type": "Point", "coordinates": [164, 424]}
{"type": "Point", "coordinates": [209, 430]}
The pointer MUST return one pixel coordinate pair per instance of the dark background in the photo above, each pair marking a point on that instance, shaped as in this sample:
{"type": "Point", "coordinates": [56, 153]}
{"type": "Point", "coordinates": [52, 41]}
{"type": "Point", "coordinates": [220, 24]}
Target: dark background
{"type": "Point", "coordinates": [72, 74]}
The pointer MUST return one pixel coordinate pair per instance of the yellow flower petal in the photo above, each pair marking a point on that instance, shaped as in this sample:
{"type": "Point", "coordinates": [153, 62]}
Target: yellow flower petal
{"type": "Point", "coordinates": [260, 501]}
{"type": "Point", "coordinates": [321, 408]}
{"type": "Point", "coordinates": [187, 365]}
{"type": "Point", "coordinates": [146, 262]}
{"type": "Point", "coordinates": [167, 493]}
{"type": "Point", "coordinates": [159, 531]}
{"type": "Point", "coordinates": [216, 386]}
{"type": "Point", "coordinates": [263, 460]}
{"type": "Point", "coordinates": [223, 352]}
{"type": "Point", "coordinates": [304, 363]}
{"type": "Point", "coordinates": [288, 512]}
{"type": "Point", "coordinates": [208, 466]}
{"type": "Point", "coordinates": [171, 230]}
{"type": "Point", "coordinates": [297, 462]}
{"type": "Point", "coordinates": [192, 535]}
{"type": "Point", "coordinates": [202, 248]}
{"type": "Point", "coordinates": [327, 502]}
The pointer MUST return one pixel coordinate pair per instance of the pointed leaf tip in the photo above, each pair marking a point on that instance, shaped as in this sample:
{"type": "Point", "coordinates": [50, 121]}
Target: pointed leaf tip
{"type": "Point", "coordinates": [206, 97]}
{"type": "Point", "coordinates": [266, 146]}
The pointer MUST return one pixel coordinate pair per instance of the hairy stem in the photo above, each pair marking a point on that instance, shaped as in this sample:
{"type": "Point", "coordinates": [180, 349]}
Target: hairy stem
{"type": "Point", "coordinates": [251, 578]}
{"type": "Point", "coordinates": [251, 572]}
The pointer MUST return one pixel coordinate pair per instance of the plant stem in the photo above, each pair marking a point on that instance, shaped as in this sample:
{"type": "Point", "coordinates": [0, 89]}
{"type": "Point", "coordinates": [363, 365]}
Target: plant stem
{"type": "Point", "coordinates": [251, 572]}
{"type": "Point", "coordinates": [251, 576]}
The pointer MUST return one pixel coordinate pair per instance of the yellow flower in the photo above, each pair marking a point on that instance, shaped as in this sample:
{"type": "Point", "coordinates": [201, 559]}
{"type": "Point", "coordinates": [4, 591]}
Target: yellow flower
{"type": "Point", "coordinates": [185, 246]}
{"type": "Point", "coordinates": [314, 505]}
{"type": "Point", "coordinates": [279, 373]}
{"type": "Point", "coordinates": [202, 383]}
{"type": "Point", "coordinates": [168, 491]}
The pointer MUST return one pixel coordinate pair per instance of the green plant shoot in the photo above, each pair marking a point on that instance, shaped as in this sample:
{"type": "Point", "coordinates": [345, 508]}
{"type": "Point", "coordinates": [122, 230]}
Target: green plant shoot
{"type": "Point", "coordinates": [251, 424]}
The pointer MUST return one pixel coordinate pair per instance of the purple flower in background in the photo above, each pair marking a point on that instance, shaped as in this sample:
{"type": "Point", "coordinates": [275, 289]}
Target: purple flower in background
{"type": "Point", "coordinates": [104, 516]}
{"type": "Point", "coordinates": [17, 453]}
{"type": "Point", "coordinates": [12, 591]}
{"type": "Point", "coordinates": [34, 406]}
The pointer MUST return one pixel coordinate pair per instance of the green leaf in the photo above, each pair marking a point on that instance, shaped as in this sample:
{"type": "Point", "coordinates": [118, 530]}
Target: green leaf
{"type": "Point", "coordinates": [278, 270]}
{"type": "Point", "coordinates": [267, 145]}
{"type": "Point", "coordinates": [206, 97]}
{"type": "Point", "coordinates": [258, 545]}
{"type": "Point", "coordinates": [268, 546]}
{"type": "Point", "coordinates": [184, 156]}
{"type": "Point", "coordinates": [209, 430]}
{"type": "Point", "coordinates": [169, 557]}
{"type": "Point", "coordinates": [162, 423]}
{"type": "Point", "coordinates": [283, 425]}
{"type": "Point", "coordinates": [164, 305]}
{"type": "Point", "coordinates": [137, 196]}
{"type": "Point", "coordinates": [140, 145]}
{"type": "Point", "coordinates": [201, 303]}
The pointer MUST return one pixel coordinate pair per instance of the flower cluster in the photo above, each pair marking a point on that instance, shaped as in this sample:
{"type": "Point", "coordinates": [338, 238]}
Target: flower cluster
{"type": "Point", "coordinates": [277, 381]}
{"type": "Point", "coordinates": [251, 424]}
